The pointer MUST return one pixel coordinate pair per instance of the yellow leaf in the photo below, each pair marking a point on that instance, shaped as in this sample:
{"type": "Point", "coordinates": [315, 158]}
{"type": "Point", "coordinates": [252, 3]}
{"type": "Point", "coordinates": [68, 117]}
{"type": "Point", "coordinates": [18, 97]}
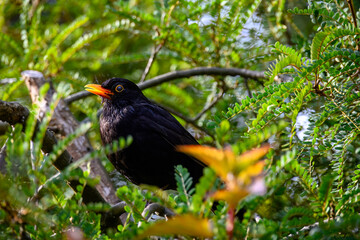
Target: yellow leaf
{"type": "Point", "coordinates": [221, 161]}
{"type": "Point", "coordinates": [237, 172]}
{"type": "Point", "coordinates": [231, 196]}
{"type": "Point", "coordinates": [250, 172]}
{"type": "Point", "coordinates": [224, 161]}
{"type": "Point", "coordinates": [250, 157]}
{"type": "Point", "coordinates": [186, 225]}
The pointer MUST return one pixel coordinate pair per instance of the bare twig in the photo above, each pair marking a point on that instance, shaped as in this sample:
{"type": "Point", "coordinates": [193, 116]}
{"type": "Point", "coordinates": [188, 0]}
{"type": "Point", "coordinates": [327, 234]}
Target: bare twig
{"type": "Point", "coordinates": [2, 159]}
{"type": "Point", "coordinates": [208, 106]}
{"type": "Point", "coordinates": [111, 219]}
{"type": "Point", "coordinates": [352, 10]}
{"type": "Point", "coordinates": [247, 87]}
{"type": "Point", "coordinates": [255, 75]}
{"type": "Point", "coordinates": [353, 14]}
{"type": "Point", "coordinates": [34, 6]}
{"type": "Point", "coordinates": [77, 96]}
{"type": "Point", "coordinates": [156, 208]}
{"type": "Point", "coordinates": [154, 52]}
{"type": "Point", "coordinates": [7, 81]}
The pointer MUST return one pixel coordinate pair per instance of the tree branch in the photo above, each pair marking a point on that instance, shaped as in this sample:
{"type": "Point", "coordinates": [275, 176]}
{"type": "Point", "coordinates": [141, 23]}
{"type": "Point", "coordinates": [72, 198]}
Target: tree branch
{"type": "Point", "coordinates": [111, 219]}
{"type": "Point", "coordinates": [7, 81]}
{"type": "Point", "coordinates": [255, 75]}
{"type": "Point", "coordinates": [77, 96]}
{"type": "Point", "coordinates": [150, 62]}
{"type": "Point", "coordinates": [247, 87]}
{"type": "Point", "coordinates": [65, 123]}
{"type": "Point", "coordinates": [208, 106]}
{"type": "Point", "coordinates": [155, 207]}
{"type": "Point", "coordinates": [353, 14]}
{"type": "Point", "coordinates": [2, 159]}
{"type": "Point", "coordinates": [13, 113]}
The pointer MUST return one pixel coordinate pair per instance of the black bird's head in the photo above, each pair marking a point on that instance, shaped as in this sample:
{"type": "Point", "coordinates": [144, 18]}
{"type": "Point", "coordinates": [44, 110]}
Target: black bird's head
{"type": "Point", "coordinates": [117, 90]}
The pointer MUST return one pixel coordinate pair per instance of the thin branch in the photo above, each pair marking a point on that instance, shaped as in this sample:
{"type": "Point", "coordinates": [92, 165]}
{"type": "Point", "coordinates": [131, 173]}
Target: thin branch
{"type": "Point", "coordinates": [255, 75]}
{"type": "Point", "coordinates": [352, 10]}
{"type": "Point", "coordinates": [156, 208]}
{"type": "Point", "coordinates": [77, 96]}
{"type": "Point", "coordinates": [2, 159]}
{"type": "Point", "coordinates": [208, 106]}
{"type": "Point", "coordinates": [35, 4]}
{"type": "Point", "coordinates": [7, 81]}
{"type": "Point", "coordinates": [247, 87]}
{"type": "Point", "coordinates": [150, 62]}
{"type": "Point", "coordinates": [353, 14]}
{"type": "Point", "coordinates": [111, 219]}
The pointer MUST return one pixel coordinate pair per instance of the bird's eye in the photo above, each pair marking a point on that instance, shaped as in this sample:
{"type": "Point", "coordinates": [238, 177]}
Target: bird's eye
{"type": "Point", "coordinates": [119, 88]}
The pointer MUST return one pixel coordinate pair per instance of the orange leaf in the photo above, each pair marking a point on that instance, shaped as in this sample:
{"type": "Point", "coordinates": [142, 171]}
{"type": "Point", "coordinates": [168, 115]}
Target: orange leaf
{"type": "Point", "coordinates": [250, 172]}
{"type": "Point", "coordinates": [231, 196]}
{"type": "Point", "coordinates": [250, 157]}
{"type": "Point", "coordinates": [221, 161]}
{"type": "Point", "coordinates": [187, 225]}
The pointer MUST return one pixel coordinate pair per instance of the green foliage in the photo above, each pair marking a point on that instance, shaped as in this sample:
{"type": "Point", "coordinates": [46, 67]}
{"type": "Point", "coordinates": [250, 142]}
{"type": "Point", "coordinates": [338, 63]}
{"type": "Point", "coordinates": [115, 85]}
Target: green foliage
{"type": "Point", "coordinates": [183, 183]}
{"type": "Point", "coordinates": [33, 193]}
{"type": "Point", "coordinates": [312, 172]}
{"type": "Point", "coordinates": [324, 86]}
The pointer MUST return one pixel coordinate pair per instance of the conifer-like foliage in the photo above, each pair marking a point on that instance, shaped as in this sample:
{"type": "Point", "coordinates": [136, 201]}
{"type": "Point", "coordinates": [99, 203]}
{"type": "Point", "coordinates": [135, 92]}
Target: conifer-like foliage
{"type": "Point", "coordinates": [304, 108]}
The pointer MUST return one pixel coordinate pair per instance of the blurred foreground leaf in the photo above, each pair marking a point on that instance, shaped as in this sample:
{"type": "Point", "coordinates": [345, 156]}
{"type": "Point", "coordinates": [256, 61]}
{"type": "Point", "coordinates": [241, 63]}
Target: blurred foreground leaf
{"type": "Point", "coordinates": [237, 172]}
{"type": "Point", "coordinates": [187, 225]}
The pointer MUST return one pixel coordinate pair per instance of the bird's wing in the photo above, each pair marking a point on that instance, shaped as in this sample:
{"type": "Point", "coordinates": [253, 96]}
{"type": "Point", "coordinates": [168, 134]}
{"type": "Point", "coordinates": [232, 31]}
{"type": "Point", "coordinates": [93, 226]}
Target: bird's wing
{"type": "Point", "coordinates": [166, 125]}
{"type": "Point", "coordinates": [161, 122]}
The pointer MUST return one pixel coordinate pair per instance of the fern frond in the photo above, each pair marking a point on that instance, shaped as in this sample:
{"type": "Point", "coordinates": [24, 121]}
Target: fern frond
{"type": "Point", "coordinates": [184, 182]}
{"type": "Point", "coordinates": [317, 44]}
{"type": "Point", "coordinates": [293, 60]}
{"type": "Point", "coordinates": [9, 41]}
{"type": "Point", "coordinates": [305, 178]}
{"type": "Point", "coordinates": [206, 183]}
{"type": "Point", "coordinates": [296, 212]}
{"type": "Point", "coordinates": [65, 33]}
{"type": "Point", "coordinates": [140, 18]}
{"type": "Point", "coordinates": [325, 191]}
{"type": "Point", "coordinates": [10, 88]}
{"type": "Point", "coordinates": [347, 200]}
{"type": "Point", "coordinates": [94, 35]}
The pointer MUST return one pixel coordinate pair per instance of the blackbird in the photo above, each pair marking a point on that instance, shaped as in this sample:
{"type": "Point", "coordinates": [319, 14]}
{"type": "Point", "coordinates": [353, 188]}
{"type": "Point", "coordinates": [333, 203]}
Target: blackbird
{"type": "Point", "coordinates": [151, 157]}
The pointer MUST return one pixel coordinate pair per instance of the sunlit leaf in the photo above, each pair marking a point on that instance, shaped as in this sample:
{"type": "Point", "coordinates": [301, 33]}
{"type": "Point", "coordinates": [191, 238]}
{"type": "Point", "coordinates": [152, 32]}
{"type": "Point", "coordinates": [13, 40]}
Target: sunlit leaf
{"type": "Point", "coordinates": [186, 225]}
{"type": "Point", "coordinates": [252, 171]}
{"type": "Point", "coordinates": [224, 161]}
{"type": "Point", "coordinates": [250, 157]}
{"type": "Point", "coordinates": [237, 172]}
{"type": "Point", "coordinates": [231, 196]}
{"type": "Point", "coordinates": [220, 160]}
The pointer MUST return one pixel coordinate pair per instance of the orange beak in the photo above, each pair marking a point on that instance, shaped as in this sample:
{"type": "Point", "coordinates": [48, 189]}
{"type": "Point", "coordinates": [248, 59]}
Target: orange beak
{"type": "Point", "coordinates": [98, 90]}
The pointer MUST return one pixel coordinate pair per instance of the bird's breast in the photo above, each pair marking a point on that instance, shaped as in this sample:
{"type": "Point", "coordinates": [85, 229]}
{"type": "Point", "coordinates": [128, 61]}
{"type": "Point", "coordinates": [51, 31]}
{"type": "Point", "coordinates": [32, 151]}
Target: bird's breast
{"type": "Point", "coordinates": [115, 123]}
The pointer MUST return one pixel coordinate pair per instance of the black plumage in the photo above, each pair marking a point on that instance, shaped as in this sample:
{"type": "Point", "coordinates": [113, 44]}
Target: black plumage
{"type": "Point", "coordinates": [151, 157]}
